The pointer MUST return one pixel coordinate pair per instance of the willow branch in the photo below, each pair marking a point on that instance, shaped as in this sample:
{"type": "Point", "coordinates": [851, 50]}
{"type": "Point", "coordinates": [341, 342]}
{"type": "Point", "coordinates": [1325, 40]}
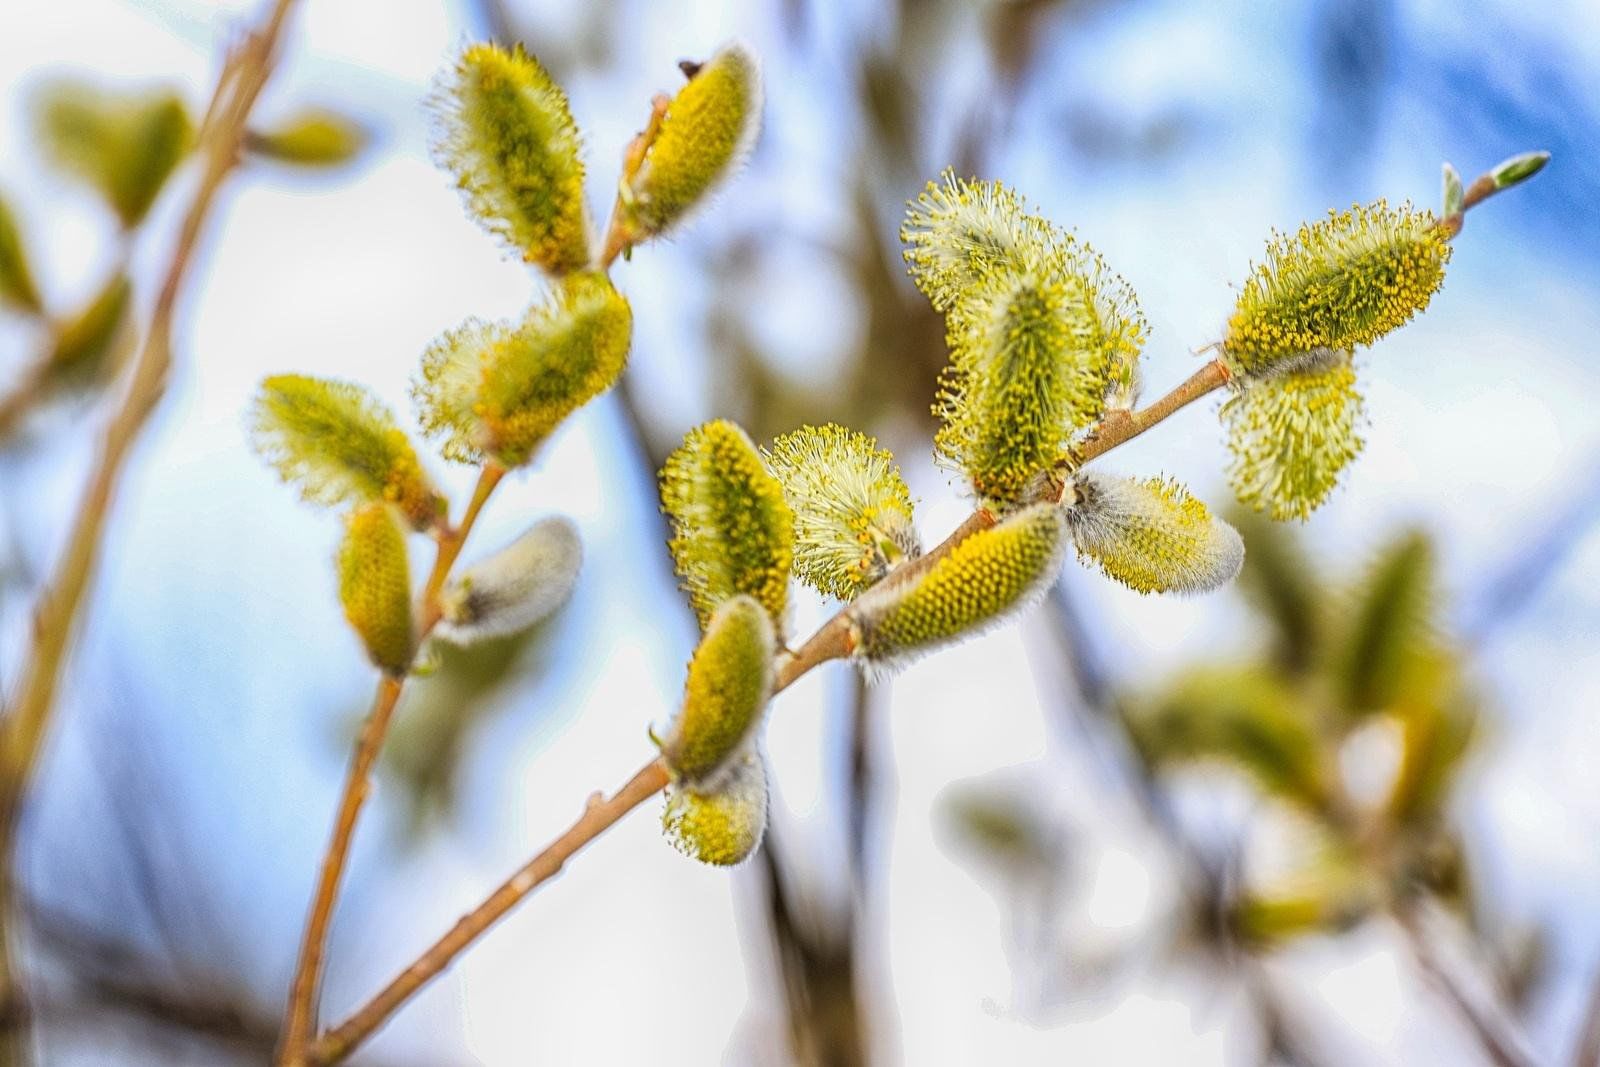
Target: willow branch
{"type": "Point", "coordinates": [300, 1015]}
{"type": "Point", "coordinates": [599, 815]}
{"type": "Point", "coordinates": [835, 639]}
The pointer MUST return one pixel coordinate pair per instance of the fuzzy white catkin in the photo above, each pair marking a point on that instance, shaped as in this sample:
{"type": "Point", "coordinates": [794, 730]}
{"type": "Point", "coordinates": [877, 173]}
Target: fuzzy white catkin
{"type": "Point", "coordinates": [1151, 534]}
{"type": "Point", "coordinates": [516, 587]}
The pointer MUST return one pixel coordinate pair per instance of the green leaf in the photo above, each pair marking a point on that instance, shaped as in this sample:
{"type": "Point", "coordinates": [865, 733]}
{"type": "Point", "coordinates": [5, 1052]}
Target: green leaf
{"type": "Point", "coordinates": [1518, 169]}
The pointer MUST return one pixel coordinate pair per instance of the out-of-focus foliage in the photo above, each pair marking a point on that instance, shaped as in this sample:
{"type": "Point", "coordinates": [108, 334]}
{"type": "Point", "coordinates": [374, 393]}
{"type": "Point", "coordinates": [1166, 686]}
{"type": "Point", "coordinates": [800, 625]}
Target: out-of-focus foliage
{"type": "Point", "coordinates": [1343, 667]}
{"type": "Point", "coordinates": [316, 137]}
{"type": "Point", "coordinates": [126, 145]}
{"type": "Point", "coordinates": [17, 287]}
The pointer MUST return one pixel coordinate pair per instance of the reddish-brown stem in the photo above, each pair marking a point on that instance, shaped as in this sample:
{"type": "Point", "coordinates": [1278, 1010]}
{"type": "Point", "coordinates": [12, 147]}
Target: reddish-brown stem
{"type": "Point", "coordinates": [619, 235]}
{"type": "Point", "coordinates": [300, 1015]}
{"type": "Point", "coordinates": [599, 815]}
{"type": "Point", "coordinates": [1119, 427]}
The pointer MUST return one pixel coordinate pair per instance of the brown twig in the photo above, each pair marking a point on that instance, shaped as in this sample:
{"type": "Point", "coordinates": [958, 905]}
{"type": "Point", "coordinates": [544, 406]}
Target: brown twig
{"type": "Point", "coordinates": [1587, 1052]}
{"type": "Point", "coordinates": [599, 815]}
{"type": "Point", "coordinates": [619, 235]}
{"type": "Point", "coordinates": [300, 1015]}
{"type": "Point", "coordinates": [1499, 1046]}
{"type": "Point", "coordinates": [833, 640]}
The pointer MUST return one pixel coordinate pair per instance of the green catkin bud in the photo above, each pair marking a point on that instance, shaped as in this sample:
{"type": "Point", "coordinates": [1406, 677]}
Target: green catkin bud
{"type": "Point", "coordinates": [852, 510]}
{"type": "Point", "coordinates": [723, 826]}
{"type": "Point", "coordinates": [705, 135]}
{"type": "Point", "coordinates": [1291, 435]}
{"type": "Point", "coordinates": [1336, 284]}
{"type": "Point", "coordinates": [517, 587]}
{"type": "Point", "coordinates": [732, 530]}
{"type": "Point", "coordinates": [506, 133]}
{"type": "Point", "coordinates": [1150, 534]}
{"type": "Point", "coordinates": [125, 146]}
{"type": "Point", "coordinates": [375, 587]}
{"type": "Point", "coordinates": [983, 580]}
{"type": "Point", "coordinates": [1518, 169]}
{"type": "Point", "coordinates": [500, 389]}
{"type": "Point", "coordinates": [1454, 193]}
{"type": "Point", "coordinates": [17, 287]}
{"type": "Point", "coordinates": [730, 681]}
{"type": "Point", "coordinates": [315, 137]}
{"type": "Point", "coordinates": [90, 346]}
{"type": "Point", "coordinates": [340, 444]}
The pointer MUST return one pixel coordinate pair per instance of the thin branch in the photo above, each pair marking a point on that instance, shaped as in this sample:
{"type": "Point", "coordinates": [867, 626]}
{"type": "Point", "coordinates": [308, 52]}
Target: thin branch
{"type": "Point", "coordinates": [300, 1015]}
{"type": "Point", "coordinates": [1587, 1053]}
{"type": "Point", "coordinates": [1499, 1046]}
{"type": "Point", "coordinates": [833, 640]}
{"type": "Point", "coordinates": [599, 815]}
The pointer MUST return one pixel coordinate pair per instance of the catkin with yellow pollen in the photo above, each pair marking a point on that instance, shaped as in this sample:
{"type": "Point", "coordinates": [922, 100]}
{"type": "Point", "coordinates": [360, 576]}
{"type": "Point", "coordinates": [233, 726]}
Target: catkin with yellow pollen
{"type": "Point", "coordinates": [729, 682]}
{"type": "Point", "coordinates": [705, 135]}
{"type": "Point", "coordinates": [982, 580]}
{"type": "Point", "coordinates": [1334, 285]}
{"type": "Point", "coordinates": [720, 826]}
{"type": "Point", "coordinates": [375, 587]}
{"type": "Point", "coordinates": [497, 390]}
{"type": "Point", "coordinates": [505, 131]}
{"type": "Point", "coordinates": [1291, 437]}
{"type": "Point", "coordinates": [340, 444]}
{"type": "Point", "coordinates": [852, 509]}
{"type": "Point", "coordinates": [732, 529]}
{"type": "Point", "coordinates": [1042, 336]}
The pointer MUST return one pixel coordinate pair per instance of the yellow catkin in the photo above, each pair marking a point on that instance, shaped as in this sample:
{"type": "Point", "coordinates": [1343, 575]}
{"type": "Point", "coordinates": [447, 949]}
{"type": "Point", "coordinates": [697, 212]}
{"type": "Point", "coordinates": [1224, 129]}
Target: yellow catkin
{"type": "Point", "coordinates": [852, 509]}
{"type": "Point", "coordinates": [732, 529]}
{"type": "Point", "coordinates": [500, 389]}
{"type": "Point", "coordinates": [981, 581]}
{"type": "Point", "coordinates": [1291, 436]}
{"type": "Point", "coordinates": [340, 444]}
{"type": "Point", "coordinates": [729, 682]}
{"type": "Point", "coordinates": [707, 131]}
{"type": "Point", "coordinates": [375, 587]}
{"type": "Point", "coordinates": [1151, 535]}
{"type": "Point", "coordinates": [724, 825]}
{"type": "Point", "coordinates": [506, 132]}
{"type": "Point", "coordinates": [1042, 335]}
{"type": "Point", "coordinates": [1336, 284]}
